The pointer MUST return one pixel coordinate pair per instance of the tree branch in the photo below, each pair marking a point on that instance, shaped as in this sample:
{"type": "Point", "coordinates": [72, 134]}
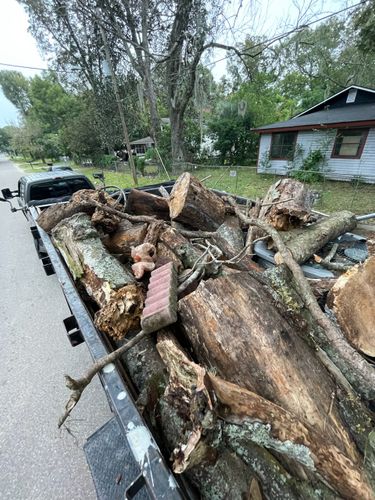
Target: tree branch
{"type": "Point", "coordinates": [356, 369]}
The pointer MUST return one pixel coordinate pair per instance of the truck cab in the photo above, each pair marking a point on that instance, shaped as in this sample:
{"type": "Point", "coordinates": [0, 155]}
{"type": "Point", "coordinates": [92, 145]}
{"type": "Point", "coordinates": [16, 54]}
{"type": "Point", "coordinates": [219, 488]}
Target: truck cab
{"type": "Point", "coordinates": [47, 188]}
{"type": "Point", "coordinates": [38, 191]}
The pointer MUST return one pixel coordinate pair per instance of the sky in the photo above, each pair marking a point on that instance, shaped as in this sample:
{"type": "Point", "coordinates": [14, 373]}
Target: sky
{"type": "Point", "coordinates": [266, 17]}
{"type": "Point", "coordinates": [17, 46]}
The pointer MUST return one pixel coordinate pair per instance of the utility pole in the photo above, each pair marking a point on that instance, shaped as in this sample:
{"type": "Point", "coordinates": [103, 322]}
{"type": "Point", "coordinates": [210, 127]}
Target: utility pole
{"type": "Point", "coordinates": [119, 103]}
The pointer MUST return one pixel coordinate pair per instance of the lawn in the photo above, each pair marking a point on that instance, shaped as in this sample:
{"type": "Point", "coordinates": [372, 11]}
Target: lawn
{"type": "Point", "coordinates": [331, 195]}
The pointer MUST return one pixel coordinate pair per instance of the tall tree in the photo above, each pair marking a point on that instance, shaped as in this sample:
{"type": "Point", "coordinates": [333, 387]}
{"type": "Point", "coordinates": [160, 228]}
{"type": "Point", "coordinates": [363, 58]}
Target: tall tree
{"type": "Point", "coordinates": [15, 87]}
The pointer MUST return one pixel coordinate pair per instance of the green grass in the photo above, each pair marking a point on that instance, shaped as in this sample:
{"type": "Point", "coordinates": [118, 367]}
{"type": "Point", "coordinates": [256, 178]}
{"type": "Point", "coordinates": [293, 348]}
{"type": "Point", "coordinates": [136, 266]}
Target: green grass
{"type": "Point", "coordinates": [332, 195]}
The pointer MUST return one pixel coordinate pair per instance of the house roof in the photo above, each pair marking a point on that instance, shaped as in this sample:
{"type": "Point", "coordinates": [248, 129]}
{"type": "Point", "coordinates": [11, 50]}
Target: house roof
{"type": "Point", "coordinates": [145, 140]}
{"type": "Point", "coordinates": [327, 118]}
{"type": "Point", "coordinates": [333, 97]}
{"type": "Point", "coordinates": [332, 113]}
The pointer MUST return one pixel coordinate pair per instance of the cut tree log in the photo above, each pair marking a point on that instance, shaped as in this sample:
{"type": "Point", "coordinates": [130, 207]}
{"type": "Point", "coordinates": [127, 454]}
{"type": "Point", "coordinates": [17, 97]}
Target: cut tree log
{"type": "Point", "coordinates": [81, 201]}
{"type": "Point", "coordinates": [193, 204]}
{"type": "Point", "coordinates": [191, 389]}
{"type": "Point", "coordinates": [287, 205]}
{"type": "Point", "coordinates": [126, 236]}
{"type": "Point", "coordinates": [180, 246]}
{"type": "Point", "coordinates": [314, 237]}
{"type": "Point", "coordinates": [106, 281]}
{"type": "Point", "coordinates": [352, 299]}
{"type": "Point", "coordinates": [235, 327]}
{"type": "Point", "coordinates": [229, 238]}
{"type": "Point", "coordinates": [329, 337]}
{"type": "Point", "coordinates": [143, 203]}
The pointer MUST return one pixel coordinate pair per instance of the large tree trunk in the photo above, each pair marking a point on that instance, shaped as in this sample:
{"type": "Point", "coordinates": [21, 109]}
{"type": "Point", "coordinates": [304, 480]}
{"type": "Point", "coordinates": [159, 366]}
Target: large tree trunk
{"type": "Point", "coordinates": [105, 280]}
{"type": "Point", "coordinates": [193, 204]}
{"type": "Point", "coordinates": [177, 138]}
{"type": "Point", "coordinates": [314, 237]}
{"type": "Point", "coordinates": [287, 204]}
{"type": "Point", "coordinates": [235, 327]}
{"type": "Point", "coordinates": [190, 391]}
{"type": "Point", "coordinates": [352, 299]}
{"type": "Point", "coordinates": [143, 203]}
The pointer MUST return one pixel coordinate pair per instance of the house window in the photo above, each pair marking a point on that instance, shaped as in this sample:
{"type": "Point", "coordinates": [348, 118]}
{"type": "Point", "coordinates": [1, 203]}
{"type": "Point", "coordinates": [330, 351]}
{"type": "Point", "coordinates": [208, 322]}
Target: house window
{"type": "Point", "coordinates": [349, 143]}
{"type": "Point", "coordinates": [282, 146]}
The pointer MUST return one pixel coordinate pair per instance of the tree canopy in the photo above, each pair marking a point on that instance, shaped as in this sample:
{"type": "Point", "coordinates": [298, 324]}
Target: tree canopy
{"type": "Point", "coordinates": [156, 50]}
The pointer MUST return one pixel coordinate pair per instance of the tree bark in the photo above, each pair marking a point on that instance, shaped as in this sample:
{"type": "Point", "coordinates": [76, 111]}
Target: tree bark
{"type": "Point", "coordinates": [126, 236]}
{"type": "Point", "coordinates": [177, 145]}
{"type": "Point", "coordinates": [194, 393]}
{"type": "Point", "coordinates": [287, 205]}
{"type": "Point", "coordinates": [193, 204]}
{"type": "Point", "coordinates": [352, 299]}
{"type": "Point", "coordinates": [143, 203]}
{"type": "Point", "coordinates": [229, 238]}
{"type": "Point", "coordinates": [235, 327]}
{"type": "Point", "coordinates": [106, 281]}
{"type": "Point", "coordinates": [314, 237]}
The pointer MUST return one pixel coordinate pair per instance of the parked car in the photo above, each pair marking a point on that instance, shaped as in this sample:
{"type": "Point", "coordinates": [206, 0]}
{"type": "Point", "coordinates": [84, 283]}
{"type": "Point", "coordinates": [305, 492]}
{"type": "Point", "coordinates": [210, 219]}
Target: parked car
{"type": "Point", "coordinates": [54, 168]}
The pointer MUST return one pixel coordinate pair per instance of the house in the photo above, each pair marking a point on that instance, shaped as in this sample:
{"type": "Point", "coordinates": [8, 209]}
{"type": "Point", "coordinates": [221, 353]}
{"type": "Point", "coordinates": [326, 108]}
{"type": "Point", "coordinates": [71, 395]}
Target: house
{"type": "Point", "coordinates": [141, 145]}
{"type": "Point", "coordinates": [341, 127]}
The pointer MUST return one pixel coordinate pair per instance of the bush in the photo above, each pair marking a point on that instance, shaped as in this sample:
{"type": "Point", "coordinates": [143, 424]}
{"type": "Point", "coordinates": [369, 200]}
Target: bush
{"type": "Point", "coordinates": [311, 168]}
{"type": "Point", "coordinates": [140, 163]}
{"type": "Point", "coordinates": [104, 161]}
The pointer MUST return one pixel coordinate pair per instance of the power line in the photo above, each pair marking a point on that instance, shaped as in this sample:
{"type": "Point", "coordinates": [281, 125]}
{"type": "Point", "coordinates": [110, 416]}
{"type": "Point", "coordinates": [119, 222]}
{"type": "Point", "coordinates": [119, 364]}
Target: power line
{"type": "Point", "coordinates": [276, 38]}
{"type": "Point", "coordinates": [269, 41]}
{"type": "Point", "coordinates": [39, 69]}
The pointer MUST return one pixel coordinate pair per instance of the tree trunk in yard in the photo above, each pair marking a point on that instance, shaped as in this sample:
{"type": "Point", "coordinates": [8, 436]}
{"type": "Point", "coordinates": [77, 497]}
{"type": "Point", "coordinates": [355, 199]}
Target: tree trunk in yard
{"type": "Point", "coordinates": [352, 299]}
{"type": "Point", "coordinates": [193, 204]}
{"type": "Point", "coordinates": [235, 328]}
{"type": "Point", "coordinates": [105, 280]}
{"type": "Point", "coordinates": [315, 236]}
{"type": "Point", "coordinates": [177, 138]}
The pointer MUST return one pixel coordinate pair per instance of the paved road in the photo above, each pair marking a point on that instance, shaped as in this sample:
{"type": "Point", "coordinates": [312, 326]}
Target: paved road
{"type": "Point", "coordinates": [37, 461]}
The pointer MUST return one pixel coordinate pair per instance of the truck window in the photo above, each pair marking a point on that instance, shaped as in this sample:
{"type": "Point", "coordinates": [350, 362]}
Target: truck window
{"type": "Point", "coordinates": [57, 188]}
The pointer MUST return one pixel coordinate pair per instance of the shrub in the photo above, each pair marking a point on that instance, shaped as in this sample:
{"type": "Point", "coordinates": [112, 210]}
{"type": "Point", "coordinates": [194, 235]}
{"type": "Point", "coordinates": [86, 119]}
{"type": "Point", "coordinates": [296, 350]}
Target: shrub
{"type": "Point", "coordinates": [311, 168]}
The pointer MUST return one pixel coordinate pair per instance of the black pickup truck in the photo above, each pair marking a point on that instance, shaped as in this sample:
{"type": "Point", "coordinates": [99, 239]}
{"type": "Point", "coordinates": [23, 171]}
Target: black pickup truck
{"type": "Point", "coordinates": [124, 447]}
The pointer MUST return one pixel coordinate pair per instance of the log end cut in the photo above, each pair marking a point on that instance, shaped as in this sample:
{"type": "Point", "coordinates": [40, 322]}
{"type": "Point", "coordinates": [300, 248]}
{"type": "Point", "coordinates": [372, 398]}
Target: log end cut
{"type": "Point", "coordinates": [352, 299]}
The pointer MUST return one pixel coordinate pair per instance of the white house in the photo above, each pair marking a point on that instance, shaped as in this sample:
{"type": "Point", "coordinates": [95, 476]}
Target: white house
{"type": "Point", "coordinates": [342, 127]}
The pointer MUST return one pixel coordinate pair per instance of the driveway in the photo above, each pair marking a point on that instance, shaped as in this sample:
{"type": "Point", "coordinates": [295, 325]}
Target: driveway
{"type": "Point", "coordinates": [38, 461]}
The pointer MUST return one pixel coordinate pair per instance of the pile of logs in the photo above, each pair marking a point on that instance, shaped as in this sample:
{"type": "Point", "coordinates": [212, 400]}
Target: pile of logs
{"type": "Point", "coordinates": [265, 385]}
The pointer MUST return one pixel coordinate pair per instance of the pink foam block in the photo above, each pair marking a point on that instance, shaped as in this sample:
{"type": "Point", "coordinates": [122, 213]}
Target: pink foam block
{"type": "Point", "coordinates": [161, 300]}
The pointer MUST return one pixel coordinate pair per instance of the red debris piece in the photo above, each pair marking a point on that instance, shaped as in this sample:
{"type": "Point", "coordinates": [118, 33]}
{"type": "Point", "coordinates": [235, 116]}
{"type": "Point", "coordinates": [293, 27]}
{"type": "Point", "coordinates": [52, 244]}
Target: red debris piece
{"type": "Point", "coordinates": [161, 300]}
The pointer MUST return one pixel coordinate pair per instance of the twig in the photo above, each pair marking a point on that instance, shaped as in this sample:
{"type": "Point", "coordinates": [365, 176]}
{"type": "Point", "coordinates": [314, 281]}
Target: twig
{"type": "Point", "coordinates": [356, 369]}
{"type": "Point", "coordinates": [196, 234]}
{"type": "Point", "coordinates": [333, 266]}
{"type": "Point", "coordinates": [122, 215]}
{"type": "Point", "coordinates": [77, 386]}
{"type": "Point", "coordinates": [193, 276]}
{"type": "Point", "coordinates": [332, 253]}
{"type": "Point", "coordinates": [206, 178]}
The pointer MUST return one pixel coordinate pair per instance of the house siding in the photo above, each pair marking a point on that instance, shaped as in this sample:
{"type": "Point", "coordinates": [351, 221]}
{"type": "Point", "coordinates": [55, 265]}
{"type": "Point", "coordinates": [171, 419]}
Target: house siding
{"type": "Point", "coordinates": [335, 168]}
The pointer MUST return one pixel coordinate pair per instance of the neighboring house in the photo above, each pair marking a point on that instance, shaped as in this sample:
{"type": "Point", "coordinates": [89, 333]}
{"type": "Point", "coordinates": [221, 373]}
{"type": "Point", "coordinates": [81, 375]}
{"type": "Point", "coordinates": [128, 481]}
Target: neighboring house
{"type": "Point", "coordinates": [342, 127]}
{"type": "Point", "coordinates": [142, 145]}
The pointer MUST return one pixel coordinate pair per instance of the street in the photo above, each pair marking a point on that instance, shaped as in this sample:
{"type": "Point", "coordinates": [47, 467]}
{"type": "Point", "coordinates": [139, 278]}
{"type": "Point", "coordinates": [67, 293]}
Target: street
{"type": "Point", "coordinates": [38, 461]}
